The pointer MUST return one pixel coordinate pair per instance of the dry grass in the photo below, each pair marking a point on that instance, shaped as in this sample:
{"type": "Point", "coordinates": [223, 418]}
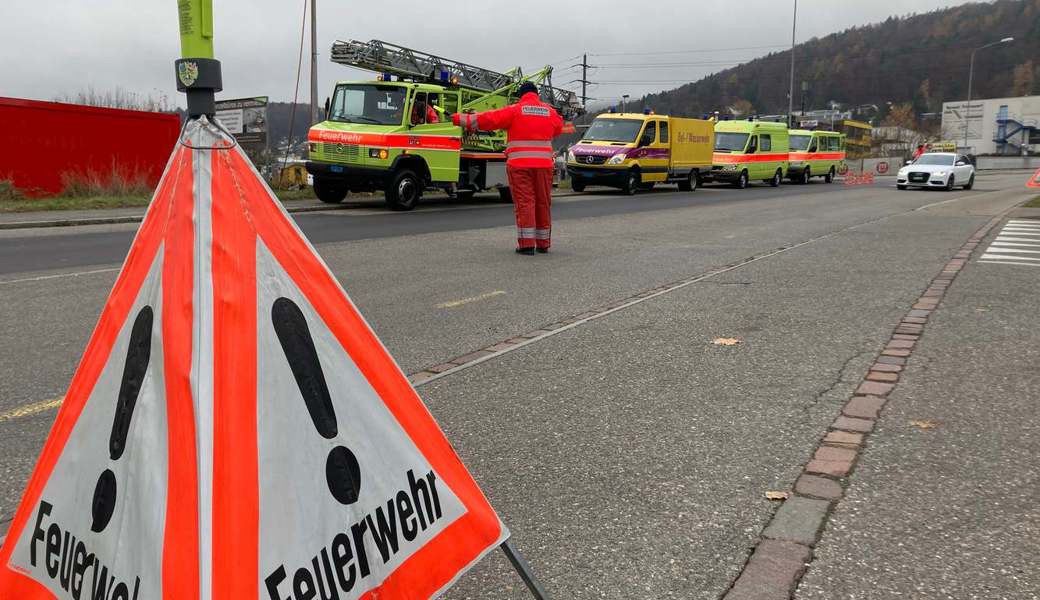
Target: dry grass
{"type": "Point", "coordinates": [1034, 203]}
{"type": "Point", "coordinates": [118, 181]}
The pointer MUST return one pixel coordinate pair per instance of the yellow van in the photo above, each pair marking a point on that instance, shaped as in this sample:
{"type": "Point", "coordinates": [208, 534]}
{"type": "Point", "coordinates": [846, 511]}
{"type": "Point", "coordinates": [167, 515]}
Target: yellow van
{"type": "Point", "coordinates": [750, 150]}
{"type": "Point", "coordinates": [815, 154]}
{"type": "Point", "coordinates": [632, 151]}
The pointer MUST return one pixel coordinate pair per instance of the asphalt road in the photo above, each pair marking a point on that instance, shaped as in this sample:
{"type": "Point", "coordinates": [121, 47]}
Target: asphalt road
{"type": "Point", "coordinates": [629, 456]}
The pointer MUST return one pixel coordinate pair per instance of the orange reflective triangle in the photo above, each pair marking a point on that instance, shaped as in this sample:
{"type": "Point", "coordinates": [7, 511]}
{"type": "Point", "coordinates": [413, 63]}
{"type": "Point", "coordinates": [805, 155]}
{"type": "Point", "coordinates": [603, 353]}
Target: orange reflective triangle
{"type": "Point", "coordinates": [235, 429]}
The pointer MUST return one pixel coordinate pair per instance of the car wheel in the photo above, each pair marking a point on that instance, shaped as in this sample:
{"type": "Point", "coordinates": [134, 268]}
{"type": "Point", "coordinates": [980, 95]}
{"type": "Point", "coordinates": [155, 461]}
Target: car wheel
{"type": "Point", "coordinates": [329, 192]}
{"type": "Point", "coordinates": [577, 185]}
{"type": "Point", "coordinates": [631, 184]}
{"type": "Point", "coordinates": [829, 177]}
{"type": "Point", "coordinates": [971, 182]}
{"type": "Point", "coordinates": [775, 181]}
{"type": "Point", "coordinates": [950, 183]}
{"type": "Point", "coordinates": [805, 176]}
{"type": "Point", "coordinates": [690, 183]}
{"type": "Point", "coordinates": [404, 191]}
{"type": "Point", "coordinates": [742, 180]}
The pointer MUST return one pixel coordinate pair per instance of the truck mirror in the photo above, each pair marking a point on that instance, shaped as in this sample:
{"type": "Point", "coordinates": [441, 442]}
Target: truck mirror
{"type": "Point", "coordinates": [328, 105]}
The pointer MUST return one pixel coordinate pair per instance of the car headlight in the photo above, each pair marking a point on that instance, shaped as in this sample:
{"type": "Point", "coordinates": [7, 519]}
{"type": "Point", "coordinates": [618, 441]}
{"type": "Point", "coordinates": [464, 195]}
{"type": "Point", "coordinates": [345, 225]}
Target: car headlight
{"type": "Point", "coordinates": [939, 173]}
{"type": "Point", "coordinates": [617, 159]}
{"type": "Point", "coordinates": [902, 172]}
{"type": "Point", "coordinates": [570, 156]}
{"type": "Point", "coordinates": [731, 167]}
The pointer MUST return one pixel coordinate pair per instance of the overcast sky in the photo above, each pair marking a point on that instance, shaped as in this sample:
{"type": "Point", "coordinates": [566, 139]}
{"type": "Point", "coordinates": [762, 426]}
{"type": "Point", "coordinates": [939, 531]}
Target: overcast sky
{"type": "Point", "coordinates": [54, 47]}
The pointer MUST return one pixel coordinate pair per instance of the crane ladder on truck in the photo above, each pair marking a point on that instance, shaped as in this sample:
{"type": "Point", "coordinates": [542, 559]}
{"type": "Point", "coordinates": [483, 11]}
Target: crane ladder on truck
{"type": "Point", "coordinates": [383, 57]}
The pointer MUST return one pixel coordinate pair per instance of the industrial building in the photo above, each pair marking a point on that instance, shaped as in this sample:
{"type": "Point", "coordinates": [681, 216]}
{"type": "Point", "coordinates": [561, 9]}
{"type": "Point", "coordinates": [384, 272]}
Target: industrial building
{"type": "Point", "coordinates": [1004, 126]}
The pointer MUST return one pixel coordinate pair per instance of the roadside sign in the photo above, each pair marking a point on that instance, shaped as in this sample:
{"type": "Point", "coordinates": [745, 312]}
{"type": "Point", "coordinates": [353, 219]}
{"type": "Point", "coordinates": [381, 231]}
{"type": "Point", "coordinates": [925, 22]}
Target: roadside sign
{"type": "Point", "coordinates": [246, 119]}
{"type": "Point", "coordinates": [236, 427]}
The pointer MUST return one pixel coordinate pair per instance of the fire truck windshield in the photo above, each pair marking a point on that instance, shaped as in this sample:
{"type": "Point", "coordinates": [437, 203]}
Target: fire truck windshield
{"type": "Point", "coordinates": [368, 103]}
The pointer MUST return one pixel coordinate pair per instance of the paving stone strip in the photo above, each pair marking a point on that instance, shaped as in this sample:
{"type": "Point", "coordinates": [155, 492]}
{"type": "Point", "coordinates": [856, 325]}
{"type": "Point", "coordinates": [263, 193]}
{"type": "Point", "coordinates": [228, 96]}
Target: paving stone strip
{"type": "Point", "coordinates": [784, 551]}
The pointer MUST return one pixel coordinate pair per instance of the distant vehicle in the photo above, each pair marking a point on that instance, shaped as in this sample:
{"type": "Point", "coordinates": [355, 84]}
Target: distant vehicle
{"type": "Point", "coordinates": [750, 150]}
{"type": "Point", "coordinates": [944, 170]}
{"type": "Point", "coordinates": [633, 151]}
{"type": "Point", "coordinates": [815, 154]}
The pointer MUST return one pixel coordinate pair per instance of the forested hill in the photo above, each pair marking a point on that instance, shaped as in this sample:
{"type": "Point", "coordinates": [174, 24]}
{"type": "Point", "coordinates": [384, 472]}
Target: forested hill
{"type": "Point", "coordinates": [921, 58]}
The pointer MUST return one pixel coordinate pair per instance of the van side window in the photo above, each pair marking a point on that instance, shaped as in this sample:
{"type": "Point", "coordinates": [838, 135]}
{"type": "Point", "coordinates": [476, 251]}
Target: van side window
{"type": "Point", "coordinates": [766, 142]}
{"type": "Point", "coordinates": [814, 144]}
{"type": "Point", "coordinates": [664, 132]}
{"type": "Point", "coordinates": [649, 134]}
{"type": "Point", "coordinates": [752, 145]}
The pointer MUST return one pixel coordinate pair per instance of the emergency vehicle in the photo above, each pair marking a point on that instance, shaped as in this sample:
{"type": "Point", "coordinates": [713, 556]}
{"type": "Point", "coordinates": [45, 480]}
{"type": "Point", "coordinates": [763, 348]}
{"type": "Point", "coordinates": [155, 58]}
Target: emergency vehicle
{"type": "Point", "coordinates": [815, 154]}
{"type": "Point", "coordinates": [633, 151]}
{"type": "Point", "coordinates": [750, 150]}
{"type": "Point", "coordinates": [395, 133]}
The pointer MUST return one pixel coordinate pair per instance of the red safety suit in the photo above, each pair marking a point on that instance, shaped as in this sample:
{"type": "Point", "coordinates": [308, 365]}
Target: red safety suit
{"type": "Point", "coordinates": [531, 125]}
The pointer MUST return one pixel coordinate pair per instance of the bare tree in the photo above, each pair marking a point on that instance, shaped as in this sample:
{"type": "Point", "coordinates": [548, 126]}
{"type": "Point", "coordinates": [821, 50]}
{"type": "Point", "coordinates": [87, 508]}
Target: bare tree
{"type": "Point", "coordinates": [119, 97]}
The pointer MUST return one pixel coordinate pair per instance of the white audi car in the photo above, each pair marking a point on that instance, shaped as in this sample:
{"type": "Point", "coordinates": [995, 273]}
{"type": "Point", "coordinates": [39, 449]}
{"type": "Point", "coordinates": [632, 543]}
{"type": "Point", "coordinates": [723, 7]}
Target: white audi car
{"type": "Point", "coordinates": [944, 170]}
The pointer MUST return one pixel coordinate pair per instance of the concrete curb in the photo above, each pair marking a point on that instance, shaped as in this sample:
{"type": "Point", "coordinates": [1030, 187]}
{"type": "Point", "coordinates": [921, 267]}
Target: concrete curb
{"type": "Point", "coordinates": [800, 521]}
{"type": "Point", "coordinates": [129, 219]}
{"type": "Point", "coordinates": [138, 218]}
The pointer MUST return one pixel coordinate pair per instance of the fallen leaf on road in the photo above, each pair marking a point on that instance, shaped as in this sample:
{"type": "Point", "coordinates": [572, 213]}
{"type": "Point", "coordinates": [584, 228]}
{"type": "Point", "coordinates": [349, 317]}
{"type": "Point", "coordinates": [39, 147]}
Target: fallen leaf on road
{"type": "Point", "coordinates": [726, 341]}
{"type": "Point", "coordinates": [777, 495]}
{"type": "Point", "coordinates": [924, 424]}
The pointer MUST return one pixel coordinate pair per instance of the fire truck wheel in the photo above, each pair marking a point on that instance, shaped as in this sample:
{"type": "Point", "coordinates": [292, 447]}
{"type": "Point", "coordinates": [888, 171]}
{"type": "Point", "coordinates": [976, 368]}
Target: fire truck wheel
{"type": "Point", "coordinates": [577, 185]}
{"type": "Point", "coordinates": [329, 192]}
{"type": "Point", "coordinates": [404, 191]}
{"type": "Point", "coordinates": [742, 181]}
{"type": "Point", "coordinates": [829, 177]}
{"type": "Point", "coordinates": [805, 176]}
{"type": "Point", "coordinates": [505, 195]}
{"type": "Point", "coordinates": [775, 181]}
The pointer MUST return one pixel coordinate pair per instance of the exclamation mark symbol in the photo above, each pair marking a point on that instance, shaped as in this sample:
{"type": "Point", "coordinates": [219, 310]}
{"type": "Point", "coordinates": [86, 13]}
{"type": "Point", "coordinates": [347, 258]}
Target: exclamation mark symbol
{"type": "Point", "coordinates": [341, 467]}
{"type": "Point", "coordinates": [137, 356]}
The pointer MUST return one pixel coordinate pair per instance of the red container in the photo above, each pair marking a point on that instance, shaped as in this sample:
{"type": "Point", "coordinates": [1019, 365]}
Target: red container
{"type": "Point", "coordinates": [44, 145]}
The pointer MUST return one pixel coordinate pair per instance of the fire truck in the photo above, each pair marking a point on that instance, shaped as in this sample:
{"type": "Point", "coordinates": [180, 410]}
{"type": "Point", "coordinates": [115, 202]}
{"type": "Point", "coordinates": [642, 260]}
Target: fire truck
{"type": "Point", "coordinates": [394, 133]}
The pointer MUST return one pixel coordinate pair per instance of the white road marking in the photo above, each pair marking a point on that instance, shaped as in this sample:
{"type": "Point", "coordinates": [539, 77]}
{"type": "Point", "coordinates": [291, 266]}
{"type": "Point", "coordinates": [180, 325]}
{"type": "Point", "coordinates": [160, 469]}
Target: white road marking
{"type": "Point", "coordinates": [1004, 238]}
{"type": "Point", "coordinates": [988, 255]}
{"type": "Point", "coordinates": [1007, 262]}
{"type": "Point", "coordinates": [485, 296]}
{"type": "Point", "coordinates": [1002, 248]}
{"type": "Point", "coordinates": [59, 276]}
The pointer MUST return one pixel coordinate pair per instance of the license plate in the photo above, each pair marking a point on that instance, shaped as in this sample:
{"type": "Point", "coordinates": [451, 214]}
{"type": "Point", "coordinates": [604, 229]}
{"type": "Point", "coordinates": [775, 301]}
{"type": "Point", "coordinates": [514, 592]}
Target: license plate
{"type": "Point", "coordinates": [336, 169]}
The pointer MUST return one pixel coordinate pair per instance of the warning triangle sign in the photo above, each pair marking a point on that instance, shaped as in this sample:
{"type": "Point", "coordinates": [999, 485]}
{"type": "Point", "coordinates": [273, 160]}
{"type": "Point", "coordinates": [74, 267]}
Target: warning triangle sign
{"type": "Point", "coordinates": [235, 429]}
{"type": "Point", "coordinates": [1034, 181]}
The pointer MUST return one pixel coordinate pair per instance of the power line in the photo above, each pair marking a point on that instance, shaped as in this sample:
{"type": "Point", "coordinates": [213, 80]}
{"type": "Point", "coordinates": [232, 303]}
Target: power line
{"type": "Point", "coordinates": [296, 90]}
{"type": "Point", "coordinates": [698, 51]}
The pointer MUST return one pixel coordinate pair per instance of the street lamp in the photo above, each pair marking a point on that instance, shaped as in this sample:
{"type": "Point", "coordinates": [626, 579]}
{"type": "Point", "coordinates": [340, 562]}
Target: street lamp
{"type": "Point", "coordinates": [790, 92]}
{"type": "Point", "coordinates": [971, 75]}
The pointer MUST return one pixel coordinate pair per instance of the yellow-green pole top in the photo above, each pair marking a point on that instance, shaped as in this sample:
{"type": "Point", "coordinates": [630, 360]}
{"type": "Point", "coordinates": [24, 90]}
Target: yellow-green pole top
{"type": "Point", "coordinates": [196, 21]}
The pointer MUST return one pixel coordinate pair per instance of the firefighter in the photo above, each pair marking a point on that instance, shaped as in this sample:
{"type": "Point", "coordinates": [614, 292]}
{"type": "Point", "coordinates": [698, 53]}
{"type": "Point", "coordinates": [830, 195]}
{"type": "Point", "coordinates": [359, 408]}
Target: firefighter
{"type": "Point", "coordinates": [531, 126]}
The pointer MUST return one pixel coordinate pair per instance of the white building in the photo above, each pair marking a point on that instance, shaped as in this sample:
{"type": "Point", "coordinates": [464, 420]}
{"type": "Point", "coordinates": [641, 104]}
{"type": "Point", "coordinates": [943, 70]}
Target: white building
{"type": "Point", "coordinates": [1009, 126]}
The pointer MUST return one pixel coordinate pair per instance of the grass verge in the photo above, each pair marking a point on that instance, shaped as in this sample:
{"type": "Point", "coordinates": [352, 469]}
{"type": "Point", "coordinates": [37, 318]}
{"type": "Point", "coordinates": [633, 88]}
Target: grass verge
{"type": "Point", "coordinates": [1034, 203]}
{"type": "Point", "coordinates": [16, 204]}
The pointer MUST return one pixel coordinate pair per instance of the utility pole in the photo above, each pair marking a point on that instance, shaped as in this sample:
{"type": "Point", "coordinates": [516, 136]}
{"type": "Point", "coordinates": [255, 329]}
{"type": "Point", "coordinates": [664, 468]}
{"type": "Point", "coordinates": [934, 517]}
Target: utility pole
{"type": "Point", "coordinates": [315, 115]}
{"type": "Point", "coordinates": [790, 95]}
{"type": "Point", "coordinates": [584, 79]}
